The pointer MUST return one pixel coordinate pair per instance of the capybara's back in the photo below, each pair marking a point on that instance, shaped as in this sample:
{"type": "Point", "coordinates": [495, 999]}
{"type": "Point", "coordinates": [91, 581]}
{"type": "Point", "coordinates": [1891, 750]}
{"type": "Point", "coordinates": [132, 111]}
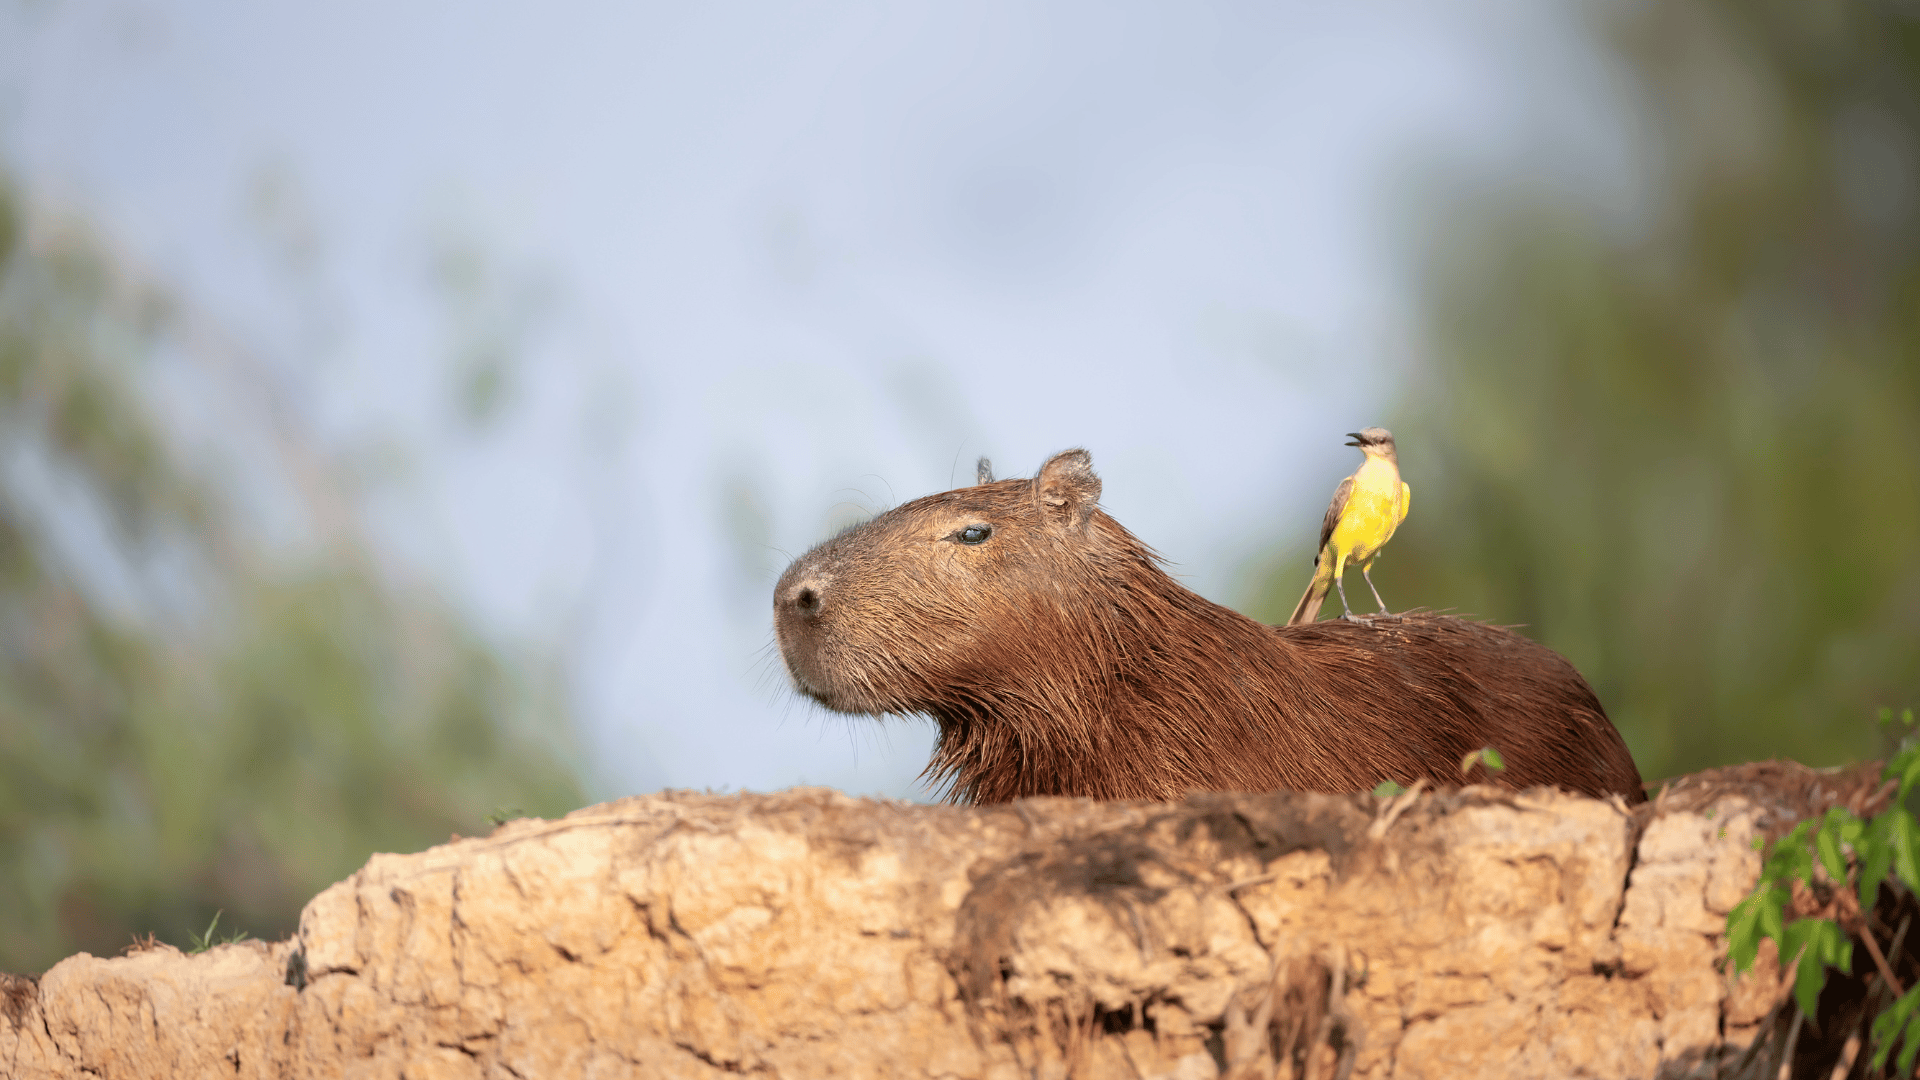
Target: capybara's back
{"type": "Point", "coordinates": [1454, 686]}
{"type": "Point", "coordinates": [1058, 658]}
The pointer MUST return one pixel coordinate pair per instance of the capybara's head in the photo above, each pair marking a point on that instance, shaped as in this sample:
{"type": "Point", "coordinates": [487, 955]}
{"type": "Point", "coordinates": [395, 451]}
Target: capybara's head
{"type": "Point", "coordinates": [947, 600]}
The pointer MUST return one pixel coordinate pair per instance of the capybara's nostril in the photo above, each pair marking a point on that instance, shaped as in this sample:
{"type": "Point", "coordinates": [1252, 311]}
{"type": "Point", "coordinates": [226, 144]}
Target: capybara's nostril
{"type": "Point", "coordinates": [807, 596]}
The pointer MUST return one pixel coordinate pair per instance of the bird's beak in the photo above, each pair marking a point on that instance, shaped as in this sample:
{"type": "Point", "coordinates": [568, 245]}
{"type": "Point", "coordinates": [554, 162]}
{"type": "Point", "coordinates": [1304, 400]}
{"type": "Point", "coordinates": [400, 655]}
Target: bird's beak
{"type": "Point", "coordinates": [1355, 436]}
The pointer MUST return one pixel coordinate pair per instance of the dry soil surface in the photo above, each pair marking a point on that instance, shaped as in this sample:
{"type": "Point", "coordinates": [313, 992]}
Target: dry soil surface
{"type": "Point", "coordinates": [1475, 933]}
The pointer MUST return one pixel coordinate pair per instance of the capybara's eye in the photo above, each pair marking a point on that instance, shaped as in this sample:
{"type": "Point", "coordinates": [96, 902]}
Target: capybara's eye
{"type": "Point", "coordinates": [974, 534]}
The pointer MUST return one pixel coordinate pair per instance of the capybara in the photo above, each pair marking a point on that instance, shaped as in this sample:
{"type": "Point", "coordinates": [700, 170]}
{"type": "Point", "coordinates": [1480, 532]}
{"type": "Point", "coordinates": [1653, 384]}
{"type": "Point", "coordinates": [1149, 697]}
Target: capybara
{"type": "Point", "coordinates": [1058, 658]}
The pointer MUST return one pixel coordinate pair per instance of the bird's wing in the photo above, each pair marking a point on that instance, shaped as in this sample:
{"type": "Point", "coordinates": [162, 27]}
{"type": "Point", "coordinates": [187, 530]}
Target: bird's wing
{"type": "Point", "coordinates": [1406, 499]}
{"type": "Point", "coordinates": [1334, 509]}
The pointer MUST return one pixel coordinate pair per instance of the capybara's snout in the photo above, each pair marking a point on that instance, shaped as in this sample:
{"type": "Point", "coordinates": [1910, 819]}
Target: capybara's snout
{"type": "Point", "coordinates": [800, 597]}
{"type": "Point", "coordinates": [800, 608]}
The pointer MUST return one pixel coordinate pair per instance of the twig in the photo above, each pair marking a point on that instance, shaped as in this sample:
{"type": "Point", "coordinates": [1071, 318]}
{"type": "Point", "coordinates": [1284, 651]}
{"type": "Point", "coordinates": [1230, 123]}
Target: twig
{"type": "Point", "coordinates": [1759, 1037]}
{"type": "Point", "coordinates": [1378, 830]}
{"type": "Point", "coordinates": [1848, 1054]}
{"type": "Point", "coordinates": [1244, 882]}
{"type": "Point", "coordinates": [1900, 935]}
{"type": "Point", "coordinates": [1873, 947]}
{"type": "Point", "coordinates": [1879, 960]}
{"type": "Point", "coordinates": [1336, 994]}
{"type": "Point", "coordinates": [1246, 1036]}
{"type": "Point", "coordinates": [1793, 1039]}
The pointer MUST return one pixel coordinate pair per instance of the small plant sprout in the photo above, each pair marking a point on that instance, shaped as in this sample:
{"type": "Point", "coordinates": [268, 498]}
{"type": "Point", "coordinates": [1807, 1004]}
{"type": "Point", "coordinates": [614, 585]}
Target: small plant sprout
{"type": "Point", "coordinates": [199, 943]}
{"type": "Point", "coordinates": [1387, 789]}
{"type": "Point", "coordinates": [1486, 756]}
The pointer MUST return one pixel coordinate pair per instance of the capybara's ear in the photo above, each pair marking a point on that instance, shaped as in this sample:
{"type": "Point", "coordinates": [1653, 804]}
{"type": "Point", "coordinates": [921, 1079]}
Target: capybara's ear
{"type": "Point", "coordinates": [983, 473]}
{"type": "Point", "coordinates": [1067, 486]}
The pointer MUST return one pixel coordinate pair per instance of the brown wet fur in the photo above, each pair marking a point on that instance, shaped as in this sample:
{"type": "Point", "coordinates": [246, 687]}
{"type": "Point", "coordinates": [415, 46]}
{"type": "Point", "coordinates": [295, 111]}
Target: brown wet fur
{"type": "Point", "coordinates": [1058, 658]}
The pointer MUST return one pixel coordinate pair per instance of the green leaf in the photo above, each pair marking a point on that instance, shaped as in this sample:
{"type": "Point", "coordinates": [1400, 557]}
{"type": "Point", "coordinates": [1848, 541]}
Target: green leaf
{"type": "Point", "coordinates": [1832, 859]}
{"type": "Point", "coordinates": [1756, 917]}
{"type": "Point", "coordinates": [199, 943]}
{"type": "Point", "coordinates": [1808, 980]}
{"type": "Point", "coordinates": [1387, 789]}
{"type": "Point", "coordinates": [1887, 1026]}
{"type": "Point", "coordinates": [1912, 1047]}
{"type": "Point", "coordinates": [1905, 765]}
{"type": "Point", "coordinates": [1486, 756]}
{"type": "Point", "coordinates": [1876, 858]}
{"type": "Point", "coordinates": [1851, 828]}
{"type": "Point", "coordinates": [1773, 916]}
{"type": "Point", "coordinates": [1819, 943]}
{"type": "Point", "coordinates": [1903, 837]}
{"type": "Point", "coordinates": [1791, 858]}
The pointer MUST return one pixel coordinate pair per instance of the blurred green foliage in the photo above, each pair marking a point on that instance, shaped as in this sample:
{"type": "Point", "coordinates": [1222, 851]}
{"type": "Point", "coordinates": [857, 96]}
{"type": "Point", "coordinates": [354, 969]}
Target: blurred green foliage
{"type": "Point", "coordinates": [246, 743]}
{"type": "Point", "coordinates": [1685, 451]}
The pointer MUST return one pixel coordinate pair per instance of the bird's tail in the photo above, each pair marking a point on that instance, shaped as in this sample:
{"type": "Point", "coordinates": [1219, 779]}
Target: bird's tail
{"type": "Point", "coordinates": [1308, 609]}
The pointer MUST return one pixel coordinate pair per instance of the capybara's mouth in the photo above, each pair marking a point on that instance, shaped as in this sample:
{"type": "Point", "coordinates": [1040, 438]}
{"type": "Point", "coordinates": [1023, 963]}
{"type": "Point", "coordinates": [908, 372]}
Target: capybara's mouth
{"type": "Point", "coordinates": [803, 676]}
{"type": "Point", "coordinates": [810, 677]}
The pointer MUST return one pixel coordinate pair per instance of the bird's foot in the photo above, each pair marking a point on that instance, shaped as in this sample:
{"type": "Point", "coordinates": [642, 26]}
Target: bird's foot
{"type": "Point", "coordinates": [1363, 620]}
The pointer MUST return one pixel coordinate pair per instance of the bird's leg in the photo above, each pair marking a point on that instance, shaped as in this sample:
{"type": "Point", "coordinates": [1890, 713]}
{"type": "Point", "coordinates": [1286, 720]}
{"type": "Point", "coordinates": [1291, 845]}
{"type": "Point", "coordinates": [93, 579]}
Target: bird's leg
{"type": "Point", "coordinates": [1346, 612]}
{"type": "Point", "coordinates": [1376, 592]}
{"type": "Point", "coordinates": [1346, 609]}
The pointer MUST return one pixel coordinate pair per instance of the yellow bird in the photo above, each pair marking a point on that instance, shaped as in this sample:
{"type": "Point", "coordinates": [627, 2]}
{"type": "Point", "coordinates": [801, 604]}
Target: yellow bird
{"type": "Point", "coordinates": [1366, 508]}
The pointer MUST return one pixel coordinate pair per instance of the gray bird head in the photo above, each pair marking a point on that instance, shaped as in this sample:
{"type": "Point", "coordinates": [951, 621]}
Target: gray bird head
{"type": "Point", "coordinates": [1374, 442]}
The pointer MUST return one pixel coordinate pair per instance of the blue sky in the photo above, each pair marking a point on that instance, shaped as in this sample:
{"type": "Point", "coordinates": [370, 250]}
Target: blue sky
{"type": "Point", "coordinates": [779, 265]}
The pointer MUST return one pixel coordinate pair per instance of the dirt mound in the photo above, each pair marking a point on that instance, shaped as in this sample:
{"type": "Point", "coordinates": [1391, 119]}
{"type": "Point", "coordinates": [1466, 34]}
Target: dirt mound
{"type": "Point", "coordinates": [1476, 933]}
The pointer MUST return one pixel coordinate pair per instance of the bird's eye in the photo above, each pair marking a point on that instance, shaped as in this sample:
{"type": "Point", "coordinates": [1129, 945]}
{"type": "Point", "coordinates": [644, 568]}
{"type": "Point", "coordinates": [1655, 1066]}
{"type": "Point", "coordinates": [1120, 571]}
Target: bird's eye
{"type": "Point", "coordinates": [974, 534]}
